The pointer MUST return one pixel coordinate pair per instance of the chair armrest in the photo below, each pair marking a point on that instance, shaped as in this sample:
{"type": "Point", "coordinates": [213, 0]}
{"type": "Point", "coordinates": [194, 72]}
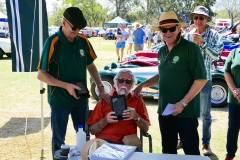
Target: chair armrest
{"type": "Point", "coordinates": [145, 134]}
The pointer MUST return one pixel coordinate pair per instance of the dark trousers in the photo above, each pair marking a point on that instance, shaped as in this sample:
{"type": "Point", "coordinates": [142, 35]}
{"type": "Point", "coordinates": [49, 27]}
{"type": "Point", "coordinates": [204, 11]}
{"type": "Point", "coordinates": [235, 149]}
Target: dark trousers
{"type": "Point", "coordinates": [233, 129]}
{"type": "Point", "coordinates": [59, 122]}
{"type": "Point", "coordinates": [170, 126]}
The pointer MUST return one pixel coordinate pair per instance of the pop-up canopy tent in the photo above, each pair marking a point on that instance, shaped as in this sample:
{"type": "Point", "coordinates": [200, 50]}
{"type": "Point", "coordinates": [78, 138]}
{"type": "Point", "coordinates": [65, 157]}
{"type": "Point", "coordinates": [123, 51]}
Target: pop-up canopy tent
{"type": "Point", "coordinates": [116, 21]}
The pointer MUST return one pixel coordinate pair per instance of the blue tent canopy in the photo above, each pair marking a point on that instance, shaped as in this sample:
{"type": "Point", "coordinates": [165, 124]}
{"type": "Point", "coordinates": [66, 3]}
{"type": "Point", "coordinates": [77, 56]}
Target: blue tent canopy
{"type": "Point", "coordinates": [116, 21]}
{"type": "Point", "coordinates": [3, 20]}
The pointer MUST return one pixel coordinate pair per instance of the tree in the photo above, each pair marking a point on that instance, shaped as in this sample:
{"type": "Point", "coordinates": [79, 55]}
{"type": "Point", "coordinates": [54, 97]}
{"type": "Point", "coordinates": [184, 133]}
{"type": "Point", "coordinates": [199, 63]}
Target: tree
{"type": "Point", "coordinates": [231, 7]}
{"type": "Point", "coordinates": [3, 8]}
{"type": "Point", "coordinates": [92, 11]}
{"type": "Point", "coordinates": [123, 7]}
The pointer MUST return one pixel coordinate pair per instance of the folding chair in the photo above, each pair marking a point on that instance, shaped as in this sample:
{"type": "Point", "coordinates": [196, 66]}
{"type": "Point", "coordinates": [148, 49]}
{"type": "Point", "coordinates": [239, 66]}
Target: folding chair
{"type": "Point", "coordinates": [142, 134]}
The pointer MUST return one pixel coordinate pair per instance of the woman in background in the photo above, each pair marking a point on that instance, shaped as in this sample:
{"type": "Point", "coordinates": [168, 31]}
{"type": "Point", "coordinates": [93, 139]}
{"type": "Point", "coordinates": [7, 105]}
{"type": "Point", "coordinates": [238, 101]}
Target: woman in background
{"type": "Point", "coordinates": [130, 39]}
{"type": "Point", "coordinates": [232, 76]}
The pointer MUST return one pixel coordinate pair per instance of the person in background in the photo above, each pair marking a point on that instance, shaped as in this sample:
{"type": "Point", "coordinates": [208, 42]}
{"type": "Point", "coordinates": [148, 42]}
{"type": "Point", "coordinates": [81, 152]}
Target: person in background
{"type": "Point", "coordinates": [150, 38]}
{"type": "Point", "coordinates": [139, 38]}
{"type": "Point", "coordinates": [191, 25]}
{"type": "Point", "coordinates": [183, 59]}
{"type": "Point", "coordinates": [238, 31]}
{"type": "Point", "coordinates": [211, 45]}
{"type": "Point", "coordinates": [121, 41]}
{"type": "Point", "coordinates": [232, 77]}
{"type": "Point", "coordinates": [66, 56]}
{"type": "Point", "coordinates": [130, 40]}
{"type": "Point", "coordinates": [155, 39]}
{"type": "Point", "coordinates": [103, 123]}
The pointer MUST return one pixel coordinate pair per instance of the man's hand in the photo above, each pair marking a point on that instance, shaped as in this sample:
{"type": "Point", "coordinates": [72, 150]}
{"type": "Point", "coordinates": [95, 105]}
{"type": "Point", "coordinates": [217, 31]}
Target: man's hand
{"type": "Point", "coordinates": [129, 114]}
{"type": "Point", "coordinates": [104, 95]}
{"type": "Point", "coordinates": [197, 38]}
{"type": "Point", "coordinates": [111, 118]}
{"type": "Point", "coordinates": [71, 89]}
{"type": "Point", "coordinates": [236, 93]}
{"type": "Point", "coordinates": [178, 108]}
{"type": "Point", "coordinates": [137, 90]}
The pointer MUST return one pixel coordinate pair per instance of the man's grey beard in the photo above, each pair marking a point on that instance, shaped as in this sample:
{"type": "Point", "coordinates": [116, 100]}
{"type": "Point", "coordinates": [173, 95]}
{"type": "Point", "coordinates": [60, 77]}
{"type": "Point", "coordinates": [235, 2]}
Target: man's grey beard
{"type": "Point", "coordinates": [121, 90]}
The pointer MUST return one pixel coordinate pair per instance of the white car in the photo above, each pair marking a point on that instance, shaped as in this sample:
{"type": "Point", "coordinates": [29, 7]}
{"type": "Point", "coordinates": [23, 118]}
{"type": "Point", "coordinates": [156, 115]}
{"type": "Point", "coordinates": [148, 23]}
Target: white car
{"type": "Point", "coordinates": [5, 47]}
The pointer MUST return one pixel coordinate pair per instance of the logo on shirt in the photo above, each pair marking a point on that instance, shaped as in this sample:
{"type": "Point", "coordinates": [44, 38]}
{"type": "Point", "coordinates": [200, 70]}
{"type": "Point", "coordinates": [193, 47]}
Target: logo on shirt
{"type": "Point", "coordinates": [175, 59]}
{"type": "Point", "coordinates": [81, 52]}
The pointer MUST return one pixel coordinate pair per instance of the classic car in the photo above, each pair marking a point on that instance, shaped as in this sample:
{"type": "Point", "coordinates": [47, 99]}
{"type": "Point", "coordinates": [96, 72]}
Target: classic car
{"type": "Point", "coordinates": [219, 86]}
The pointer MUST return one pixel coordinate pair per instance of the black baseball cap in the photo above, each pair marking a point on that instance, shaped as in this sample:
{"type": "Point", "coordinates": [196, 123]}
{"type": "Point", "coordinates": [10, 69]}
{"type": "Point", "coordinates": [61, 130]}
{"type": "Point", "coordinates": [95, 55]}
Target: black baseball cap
{"type": "Point", "coordinates": [75, 16]}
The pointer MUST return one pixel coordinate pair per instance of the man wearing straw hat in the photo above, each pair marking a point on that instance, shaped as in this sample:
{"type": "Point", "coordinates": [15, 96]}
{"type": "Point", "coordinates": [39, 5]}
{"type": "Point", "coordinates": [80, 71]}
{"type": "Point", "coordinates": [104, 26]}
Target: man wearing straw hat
{"type": "Point", "coordinates": [211, 46]}
{"type": "Point", "coordinates": [181, 76]}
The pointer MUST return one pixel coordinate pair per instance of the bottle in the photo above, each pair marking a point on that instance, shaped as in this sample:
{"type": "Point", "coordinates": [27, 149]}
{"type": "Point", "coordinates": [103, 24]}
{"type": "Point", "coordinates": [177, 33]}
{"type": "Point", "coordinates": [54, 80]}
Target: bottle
{"type": "Point", "coordinates": [80, 138]}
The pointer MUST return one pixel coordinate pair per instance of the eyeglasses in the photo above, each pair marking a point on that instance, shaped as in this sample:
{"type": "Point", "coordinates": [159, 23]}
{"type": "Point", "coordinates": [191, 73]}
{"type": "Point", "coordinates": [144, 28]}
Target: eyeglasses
{"type": "Point", "coordinates": [128, 81]}
{"type": "Point", "coordinates": [199, 17]}
{"type": "Point", "coordinates": [172, 29]}
{"type": "Point", "coordinates": [73, 28]}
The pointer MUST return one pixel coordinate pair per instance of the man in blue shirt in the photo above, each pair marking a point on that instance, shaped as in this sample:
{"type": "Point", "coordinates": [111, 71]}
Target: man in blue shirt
{"type": "Point", "coordinates": [139, 38]}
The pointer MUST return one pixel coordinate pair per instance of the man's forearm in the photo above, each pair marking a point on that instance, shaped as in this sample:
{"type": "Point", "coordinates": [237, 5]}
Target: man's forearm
{"type": "Point", "coordinates": [96, 127]}
{"type": "Point", "coordinates": [143, 125]}
{"type": "Point", "coordinates": [194, 90]}
{"type": "Point", "coordinates": [151, 81]}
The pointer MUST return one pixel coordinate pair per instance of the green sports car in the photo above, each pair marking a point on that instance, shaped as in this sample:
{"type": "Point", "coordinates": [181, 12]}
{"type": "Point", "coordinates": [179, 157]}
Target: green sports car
{"type": "Point", "coordinates": [219, 86]}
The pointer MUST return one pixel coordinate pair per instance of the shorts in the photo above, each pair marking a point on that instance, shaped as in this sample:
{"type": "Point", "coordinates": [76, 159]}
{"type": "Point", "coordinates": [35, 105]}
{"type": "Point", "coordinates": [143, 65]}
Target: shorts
{"type": "Point", "coordinates": [120, 45]}
{"type": "Point", "coordinates": [138, 47]}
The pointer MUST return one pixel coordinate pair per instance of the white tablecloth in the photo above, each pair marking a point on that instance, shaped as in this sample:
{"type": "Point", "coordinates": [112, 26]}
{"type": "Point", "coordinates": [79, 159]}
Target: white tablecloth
{"type": "Point", "coordinates": [157, 156]}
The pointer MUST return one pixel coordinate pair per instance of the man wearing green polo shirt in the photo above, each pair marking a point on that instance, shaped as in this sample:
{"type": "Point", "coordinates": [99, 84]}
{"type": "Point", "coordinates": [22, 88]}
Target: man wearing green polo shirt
{"type": "Point", "coordinates": [181, 77]}
{"type": "Point", "coordinates": [65, 58]}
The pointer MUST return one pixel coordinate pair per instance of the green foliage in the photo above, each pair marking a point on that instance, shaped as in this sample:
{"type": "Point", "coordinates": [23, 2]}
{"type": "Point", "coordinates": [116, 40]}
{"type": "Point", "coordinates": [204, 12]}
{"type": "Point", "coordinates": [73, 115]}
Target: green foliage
{"type": "Point", "coordinates": [3, 8]}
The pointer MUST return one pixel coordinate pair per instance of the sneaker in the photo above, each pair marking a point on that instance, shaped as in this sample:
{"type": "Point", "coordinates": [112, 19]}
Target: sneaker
{"type": "Point", "coordinates": [228, 158]}
{"type": "Point", "coordinates": [179, 145]}
{"type": "Point", "coordinates": [118, 60]}
{"type": "Point", "coordinates": [206, 150]}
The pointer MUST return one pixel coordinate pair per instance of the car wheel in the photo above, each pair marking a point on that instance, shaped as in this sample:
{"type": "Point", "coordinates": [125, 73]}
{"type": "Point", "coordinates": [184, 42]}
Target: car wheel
{"type": "Point", "coordinates": [219, 94]}
{"type": "Point", "coordinates": [1, 53]}
{"type": "Point", "coordinates": [9, 54]}
{"type": "Point", "coordinates": [108, 85]}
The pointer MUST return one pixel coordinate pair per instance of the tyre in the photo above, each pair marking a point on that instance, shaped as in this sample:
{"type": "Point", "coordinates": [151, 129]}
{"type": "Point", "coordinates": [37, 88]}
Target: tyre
{"type": "Point", "coordinates": [1, 53]}
{"type": "Point", "coordinates": [219, 94]}
{"type": "Point", "coordinates": [108, 85]}
{"type": "Point", "coordinates": [9, 54]}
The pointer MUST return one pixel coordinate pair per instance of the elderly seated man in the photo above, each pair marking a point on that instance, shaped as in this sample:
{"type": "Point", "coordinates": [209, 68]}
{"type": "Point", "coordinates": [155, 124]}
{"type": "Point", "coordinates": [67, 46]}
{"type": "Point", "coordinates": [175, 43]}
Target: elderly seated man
{"type": "Point", "coordinates": [103, 123]}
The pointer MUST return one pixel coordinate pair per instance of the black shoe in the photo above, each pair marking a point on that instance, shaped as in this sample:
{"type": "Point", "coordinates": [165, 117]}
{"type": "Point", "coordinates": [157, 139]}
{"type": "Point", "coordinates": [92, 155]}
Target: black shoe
{"type": "Point", "coordinates": [118, 60]}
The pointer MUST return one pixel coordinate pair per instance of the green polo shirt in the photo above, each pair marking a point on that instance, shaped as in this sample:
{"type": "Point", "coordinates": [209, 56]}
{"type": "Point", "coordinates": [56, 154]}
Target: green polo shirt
{"type": "Point", "coordinates": [66, 61]}
{"type": "Point", "coordinates": [232, 66]}
{"type": "Point", "coordinates": [177, 72]}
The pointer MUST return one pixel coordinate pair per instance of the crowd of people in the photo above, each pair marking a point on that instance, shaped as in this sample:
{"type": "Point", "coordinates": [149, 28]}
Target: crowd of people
{"type": "Point", "coordinates": [67, 56]}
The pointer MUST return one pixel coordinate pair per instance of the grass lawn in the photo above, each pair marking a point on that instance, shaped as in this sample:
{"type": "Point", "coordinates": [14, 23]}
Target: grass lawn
{"type": "Point", "coordinates": [20, 109]}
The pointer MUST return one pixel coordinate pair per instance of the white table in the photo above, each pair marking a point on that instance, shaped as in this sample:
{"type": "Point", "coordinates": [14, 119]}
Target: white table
{"type": "Point", "coordinates": [158, 156]}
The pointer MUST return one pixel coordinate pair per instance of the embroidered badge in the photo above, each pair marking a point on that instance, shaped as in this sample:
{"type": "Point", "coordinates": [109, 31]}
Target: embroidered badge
{"type": "Point", "coordinates": [81, 52]}
{"type": "Point", "coordinates": [175, 59]}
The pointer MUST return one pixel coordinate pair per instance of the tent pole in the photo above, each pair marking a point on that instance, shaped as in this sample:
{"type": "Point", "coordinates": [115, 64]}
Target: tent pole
{"type": "Point", "coordinates": [41, 83]}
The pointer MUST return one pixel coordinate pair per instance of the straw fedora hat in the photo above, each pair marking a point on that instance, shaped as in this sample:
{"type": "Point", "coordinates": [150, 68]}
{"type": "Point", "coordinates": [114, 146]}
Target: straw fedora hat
{"type": "Point", "coordinates": [90, 146]}
{"type": "Point", "coordinates": [168, 18]}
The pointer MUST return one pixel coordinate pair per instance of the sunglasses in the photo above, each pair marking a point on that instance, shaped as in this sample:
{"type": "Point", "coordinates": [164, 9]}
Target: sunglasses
{"type": "Point", "coordinates": [199, 17]}
{"type": "Point", "coordinates": [172, 29]}
{"type": "Point", "coordinates": [125, 80]}
{"type": "Point", "coordinates": [73, 28]}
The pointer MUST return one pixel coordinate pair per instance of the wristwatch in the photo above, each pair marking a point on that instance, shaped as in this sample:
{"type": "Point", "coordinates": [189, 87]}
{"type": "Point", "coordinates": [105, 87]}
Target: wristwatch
{"type": "Point", "coordinates": [100, 85]}
{"type": "Point", "coordinates": [138, 118]}
{"type": "Point", "coordinates": [183, 103]}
